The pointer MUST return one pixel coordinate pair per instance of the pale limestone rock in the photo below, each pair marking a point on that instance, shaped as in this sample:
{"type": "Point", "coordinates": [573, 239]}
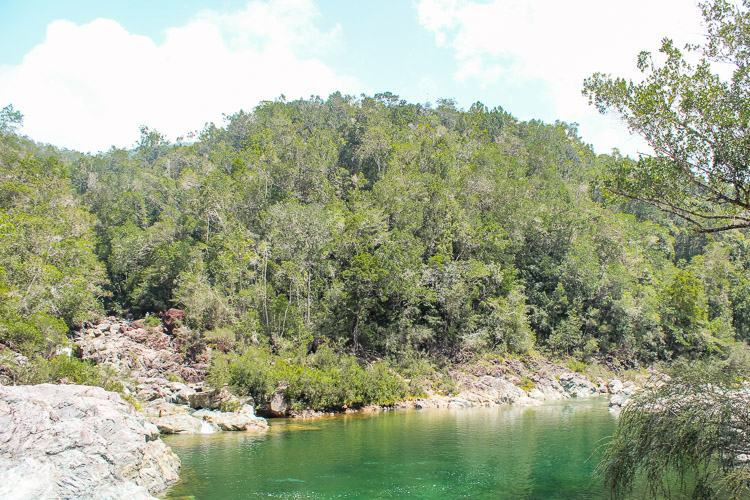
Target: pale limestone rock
{"type": "Point", "coordinates": [614, 386]}
{"type": "Point", "coordinates": [70, 441]}
{"type": "Point", "coordinates": [243, 420]}
{"type": "Point", "coordinates": [177, 423]}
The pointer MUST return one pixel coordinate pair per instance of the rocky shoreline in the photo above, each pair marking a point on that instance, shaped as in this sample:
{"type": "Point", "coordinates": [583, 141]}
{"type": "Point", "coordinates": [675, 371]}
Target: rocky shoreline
{"type": "Point", "coordinates": [165, 374]}
{"type": "Point", "coordinates": [168, 378]}
{"type": "Point", "coordinates": [70, 441]}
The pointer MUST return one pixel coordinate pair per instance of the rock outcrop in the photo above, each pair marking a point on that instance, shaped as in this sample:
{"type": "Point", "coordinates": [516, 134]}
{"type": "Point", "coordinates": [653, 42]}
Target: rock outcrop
{"type": "Point", "coordinates": [516, 384]}
{"type": "Point", "coordinates": [155, 362]}
{"type": "Point", "coordinates": [141, 352]}
{"type": "Point", "coordinates": [70, 441]}
{"type": "Point", "coordinates": [242, 420]}
{"type": "Point", "coordinates": [172, 318]}
{"type": "Point", "coordinates": [182, 419]}
{"type": "Point", "coordinates": [577, 385]}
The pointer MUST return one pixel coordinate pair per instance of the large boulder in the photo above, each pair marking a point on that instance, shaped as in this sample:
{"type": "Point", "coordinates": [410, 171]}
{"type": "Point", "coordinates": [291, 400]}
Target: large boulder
{"type": "Point", "coordinates": [242, 420]}
{"type": "Point", "coordinates": [172, 318]}
{"type": "Point", "coordinates": [173, 419]}
{"type": "Point", "coordinates": [180, 419]}
{"type": "Point", "coordinates": [179, 423]}
{"type": "Point", "coordinates": [202, 399]}
{"type": "Point", "coordinates": [577, 385]}
{"type": "Point", "coordinates": [546, 383]}
{"type": "Point", "coordinates": [488, 391]}
{"type": "Point", "coordinates": [278, 405]}
{"type": "Point", "coordinates": [614, 386]}
{"type": "Point", "coordinates": [70, 441]}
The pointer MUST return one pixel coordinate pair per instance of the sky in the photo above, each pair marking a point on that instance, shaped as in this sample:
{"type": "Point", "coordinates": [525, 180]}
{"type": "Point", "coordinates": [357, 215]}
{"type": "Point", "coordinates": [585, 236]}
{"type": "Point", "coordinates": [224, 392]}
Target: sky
{"type": "Point", "coordinates": [88, 74]}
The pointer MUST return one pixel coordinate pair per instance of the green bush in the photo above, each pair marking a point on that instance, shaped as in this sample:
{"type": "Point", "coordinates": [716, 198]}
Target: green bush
{"type": "Point", "coordinates": [326, 380]}
{"type": "Point", "coordinates": [527, 384]}
{"type": "Point", "coordinates": [151, 321]}
{"type": "Point", "coordinates": [575, 365]}
{"type": "Point", "coordinates": [219, 336]}
{"type": "Point", "coordinates": [67, 369]}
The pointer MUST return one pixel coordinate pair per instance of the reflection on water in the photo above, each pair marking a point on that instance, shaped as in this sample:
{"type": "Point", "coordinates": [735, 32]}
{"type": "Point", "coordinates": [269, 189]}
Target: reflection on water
{"type": "Point", "coordinates": [540, 452]}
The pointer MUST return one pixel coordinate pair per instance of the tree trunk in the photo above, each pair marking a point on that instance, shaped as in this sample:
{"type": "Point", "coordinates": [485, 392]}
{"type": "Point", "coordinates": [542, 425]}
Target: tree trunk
{"type": "Point", "coordinates": [308, 298]}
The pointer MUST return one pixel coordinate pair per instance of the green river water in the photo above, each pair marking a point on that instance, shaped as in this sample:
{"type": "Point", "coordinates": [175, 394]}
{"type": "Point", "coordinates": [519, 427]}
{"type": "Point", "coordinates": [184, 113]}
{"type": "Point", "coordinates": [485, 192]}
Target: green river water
{"type": "Point", "coordinates": [541, 452]}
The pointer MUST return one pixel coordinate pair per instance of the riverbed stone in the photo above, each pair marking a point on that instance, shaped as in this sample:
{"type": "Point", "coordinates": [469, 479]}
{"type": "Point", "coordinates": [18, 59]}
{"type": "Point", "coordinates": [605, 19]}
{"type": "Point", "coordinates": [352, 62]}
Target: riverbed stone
{"type": "Point", "coordinates": [279, 405]}
{"type": "Point", "coordinates": [537, 394]}
{"type": "Point", "coordinates": [242, 420]}
{"type": "Point", "coordinates": [202, 399]}
{"type": "Point", "coordinates": [614, 386]}
{"type": "Point", "coordinates": [629, 388]}
{"type": "Point", "coordinates": [178, 423]}
{"type": "Point", "coordinates": [577, 385]}
{"type": "Point", "coordinates": [182, 396]}
{"type": "Point", "coordinates": [527, 401]}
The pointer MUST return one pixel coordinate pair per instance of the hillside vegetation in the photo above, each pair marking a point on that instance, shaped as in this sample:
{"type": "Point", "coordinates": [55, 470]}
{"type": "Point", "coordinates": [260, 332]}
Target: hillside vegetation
{"type": "Point", "coordinates": [383, 229]}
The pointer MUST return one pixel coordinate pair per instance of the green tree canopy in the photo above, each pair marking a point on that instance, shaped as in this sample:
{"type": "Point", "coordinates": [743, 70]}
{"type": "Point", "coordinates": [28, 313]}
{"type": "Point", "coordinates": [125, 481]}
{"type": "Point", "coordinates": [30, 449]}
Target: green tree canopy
{"type": "Point", "coordinates": [695, 121]}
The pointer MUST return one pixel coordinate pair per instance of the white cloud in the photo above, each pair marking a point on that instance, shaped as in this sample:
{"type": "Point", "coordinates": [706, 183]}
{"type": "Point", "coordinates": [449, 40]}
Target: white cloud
{"type": "Point", "coordinates": [91, 86]}
{"type": "Point", "coordinates": [502, 42]}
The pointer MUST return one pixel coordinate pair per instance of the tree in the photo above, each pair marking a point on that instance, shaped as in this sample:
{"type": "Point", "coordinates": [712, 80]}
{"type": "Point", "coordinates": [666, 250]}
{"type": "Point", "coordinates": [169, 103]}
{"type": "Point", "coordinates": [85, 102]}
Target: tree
{"type": "Point", "coordinates": [10, 120]}
{"type": "Point", "coordinates": [697, 124]}
{"type": "Point", "coordinates": [683, 312]}
{"type": "Point", "coordinates": [691, 430]}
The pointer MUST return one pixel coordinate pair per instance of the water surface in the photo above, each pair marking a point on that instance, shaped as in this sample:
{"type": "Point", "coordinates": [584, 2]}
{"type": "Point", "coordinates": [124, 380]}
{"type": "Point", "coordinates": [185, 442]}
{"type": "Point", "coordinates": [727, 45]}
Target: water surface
{"type": "Point", "coordinates": [506, 452]}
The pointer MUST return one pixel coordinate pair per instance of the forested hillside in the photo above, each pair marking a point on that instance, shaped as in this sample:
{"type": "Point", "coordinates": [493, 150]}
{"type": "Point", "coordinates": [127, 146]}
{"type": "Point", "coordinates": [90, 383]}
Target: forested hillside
{"type": "Point", "coordinates": [382, 227]}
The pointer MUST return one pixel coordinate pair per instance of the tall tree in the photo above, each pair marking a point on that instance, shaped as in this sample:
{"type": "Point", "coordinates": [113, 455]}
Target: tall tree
{"type": "Point", "coordinates": [696, 122]}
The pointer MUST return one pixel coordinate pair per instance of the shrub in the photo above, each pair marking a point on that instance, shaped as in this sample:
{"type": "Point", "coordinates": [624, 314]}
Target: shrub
{"type": "Point", "coordinates": [694, 425]}
{"type": "Point", "coordinates": [151, 321]}
{"type": "Point", "coordinates": [527, 384]}
{"type": "Point", "coordinates": [576, 365]}
{"type": "Point", "coordinates": [68, 369]}
{"type": "Point", "coordinates": [326, 380]}
{"type": "Point", "coordinates": [223, 336]}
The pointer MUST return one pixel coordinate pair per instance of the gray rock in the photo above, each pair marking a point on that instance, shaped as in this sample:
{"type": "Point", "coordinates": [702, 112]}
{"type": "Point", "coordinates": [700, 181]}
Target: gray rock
{"type": "Point", "coordinates": [617, 401]}
{"type": "Point", "coordinates": [459, 403]}
{"type": "Point", "coordinates": [537, 394]}
{"type": "Point", "coordinates": [527, 401]}
{"type": "Point", "coordinates": [182, 396]}
{"type": "Point", "coordinates": [279, 405]}
{"type": "Point", "coordinates": [160, 408]}
{"type": "Point", "coordinates": [243, 420]}
{"type": "Point", "coordinates": [179, 423]}
{"type": "Point", "coordinates": [72, 441]}
{"type": "Point", "coordinates": [577, 385]}
{"type": "Point", "coordinates": [614, 386]}
{"type": "Point", "coordinates": [629, 388]}
{"type": "Point", "coordinates": [490, 391]}
{"type": "Point", "coordinates": [203, 399]}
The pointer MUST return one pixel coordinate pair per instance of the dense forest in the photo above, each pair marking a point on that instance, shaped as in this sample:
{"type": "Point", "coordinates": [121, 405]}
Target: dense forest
{"type": "Point", "coordinates": [352, 250]}
{"type": "Point", "coordinates": [377, 226]}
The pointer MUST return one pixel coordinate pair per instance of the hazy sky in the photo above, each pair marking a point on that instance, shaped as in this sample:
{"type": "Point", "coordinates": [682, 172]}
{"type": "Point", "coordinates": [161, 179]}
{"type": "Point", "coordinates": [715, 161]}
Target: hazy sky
{"type": "Point", "coordinates": [88, 74]}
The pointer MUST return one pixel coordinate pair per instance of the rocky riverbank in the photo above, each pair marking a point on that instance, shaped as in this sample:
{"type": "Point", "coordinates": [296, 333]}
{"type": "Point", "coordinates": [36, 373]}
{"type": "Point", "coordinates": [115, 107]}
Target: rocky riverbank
{"type": "Point", "coordinates": [72, 441]}
{"type": "Point", "coordinates": [166, 374]}
{"type": "Point", "coordinates": [493, 391]}
{"type": "Point", "coordinates": [510, 382]}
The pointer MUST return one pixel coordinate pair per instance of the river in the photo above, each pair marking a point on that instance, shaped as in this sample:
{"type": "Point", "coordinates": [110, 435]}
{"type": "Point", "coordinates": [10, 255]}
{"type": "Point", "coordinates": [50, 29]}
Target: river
{"type": "Point", "coordinates": [542, 452]}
